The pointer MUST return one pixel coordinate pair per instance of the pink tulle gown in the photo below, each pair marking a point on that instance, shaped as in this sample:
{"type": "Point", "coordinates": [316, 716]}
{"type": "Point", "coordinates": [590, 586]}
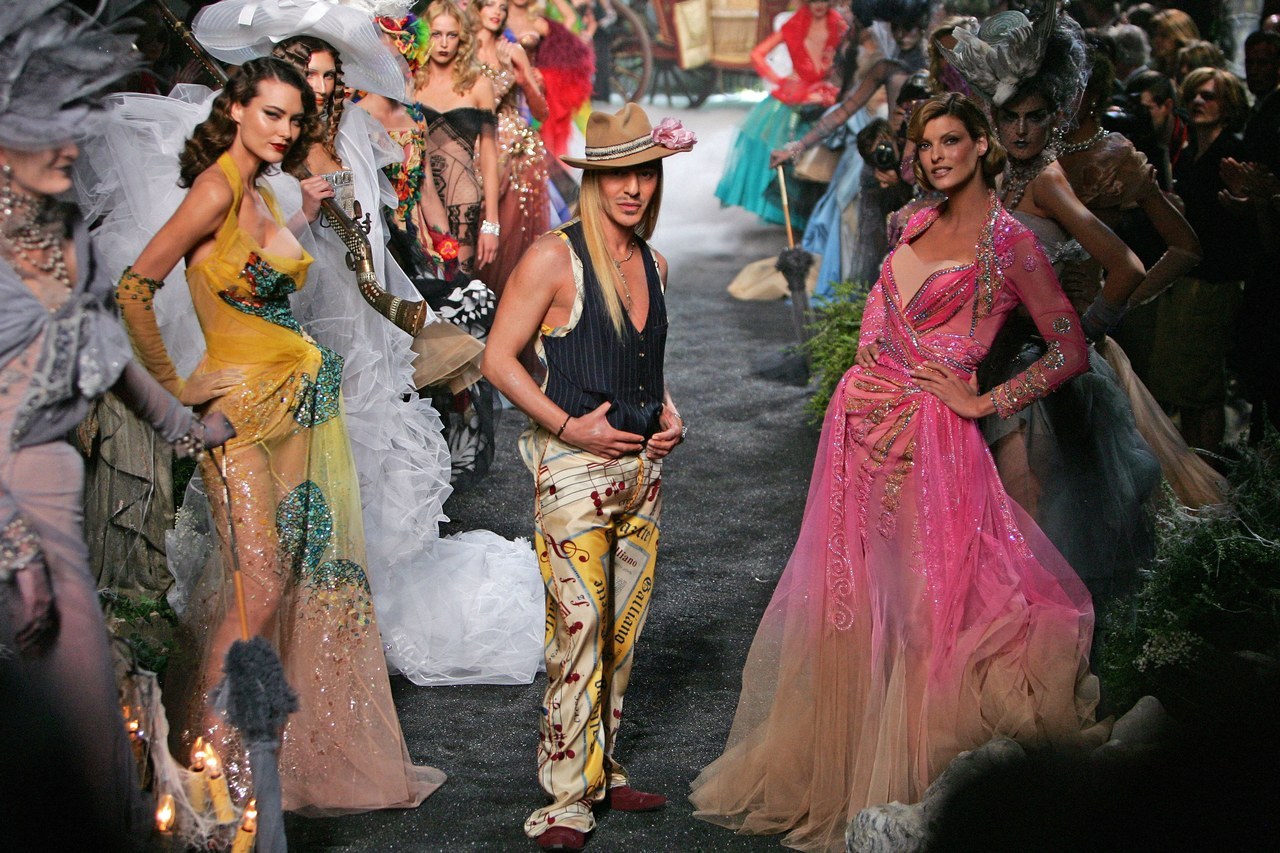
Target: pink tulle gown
{"type": "Point", "coordinates": [922, 612]}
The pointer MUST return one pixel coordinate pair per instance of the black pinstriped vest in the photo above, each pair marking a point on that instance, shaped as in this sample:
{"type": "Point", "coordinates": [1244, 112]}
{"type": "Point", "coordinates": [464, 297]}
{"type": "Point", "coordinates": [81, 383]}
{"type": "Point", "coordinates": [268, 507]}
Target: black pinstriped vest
{"type": "Point", "coordinates": [591, 365]}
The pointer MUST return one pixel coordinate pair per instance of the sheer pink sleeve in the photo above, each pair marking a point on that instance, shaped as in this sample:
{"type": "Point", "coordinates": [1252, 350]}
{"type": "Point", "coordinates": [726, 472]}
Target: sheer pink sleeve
{"type": "Point", "coordinates": [872, 317]}
{"type": "Point", "coordinates": [1031, 279]}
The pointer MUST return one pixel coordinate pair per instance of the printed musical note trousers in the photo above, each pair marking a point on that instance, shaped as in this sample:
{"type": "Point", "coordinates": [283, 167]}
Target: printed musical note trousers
{"type": "Point", "coordinates": [596, 535]}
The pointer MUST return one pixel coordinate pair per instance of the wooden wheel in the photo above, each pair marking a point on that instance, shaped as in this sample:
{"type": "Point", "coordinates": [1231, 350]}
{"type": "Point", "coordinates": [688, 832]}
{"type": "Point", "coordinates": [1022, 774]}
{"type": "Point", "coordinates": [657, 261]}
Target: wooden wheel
{"type": "Point", "coordinates": [632, 54]}
{"type": "Point", "coordinates": [696, 84]}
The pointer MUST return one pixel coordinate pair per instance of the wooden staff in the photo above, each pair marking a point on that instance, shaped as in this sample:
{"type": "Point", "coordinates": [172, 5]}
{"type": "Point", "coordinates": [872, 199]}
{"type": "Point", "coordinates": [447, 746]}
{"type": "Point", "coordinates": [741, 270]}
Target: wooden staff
{"type": "Point", "coordinates": [786, 208]}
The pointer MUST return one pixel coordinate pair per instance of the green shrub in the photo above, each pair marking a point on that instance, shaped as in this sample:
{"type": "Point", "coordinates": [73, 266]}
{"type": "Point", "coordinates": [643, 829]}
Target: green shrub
{"type": "Point", "coordinates": [834, 342]}
{"type": "Point", "coordinates": [1211, 598]}
{"type": "Point", "coordinates": [147, 625]}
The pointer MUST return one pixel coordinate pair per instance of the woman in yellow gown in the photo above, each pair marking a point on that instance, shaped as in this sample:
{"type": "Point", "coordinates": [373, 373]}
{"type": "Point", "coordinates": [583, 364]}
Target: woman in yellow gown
{"type": "Point", "coordinates": [294, 497]}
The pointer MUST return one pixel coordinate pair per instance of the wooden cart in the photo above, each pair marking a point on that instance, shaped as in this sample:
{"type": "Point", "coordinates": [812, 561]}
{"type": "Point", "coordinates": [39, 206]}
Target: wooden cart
{"type": "Point", "coordinates": [685, 47]}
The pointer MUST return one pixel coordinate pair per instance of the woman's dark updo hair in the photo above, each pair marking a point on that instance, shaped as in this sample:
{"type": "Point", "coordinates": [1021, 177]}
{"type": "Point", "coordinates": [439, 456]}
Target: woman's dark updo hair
{"type": "Point", "coordinates": [213, 136]}
{"type": "Point", "coordinates": [297, 50]}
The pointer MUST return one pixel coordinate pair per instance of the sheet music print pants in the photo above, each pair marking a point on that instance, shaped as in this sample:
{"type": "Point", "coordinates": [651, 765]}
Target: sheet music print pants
{"type": "Point", "coordinates": [596, 535]}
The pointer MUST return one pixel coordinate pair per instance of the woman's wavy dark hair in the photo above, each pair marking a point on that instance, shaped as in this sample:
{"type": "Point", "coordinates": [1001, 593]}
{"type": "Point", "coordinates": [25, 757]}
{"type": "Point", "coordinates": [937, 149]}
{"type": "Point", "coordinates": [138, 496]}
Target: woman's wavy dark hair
{"type": "Point", "coordinates": [213, 136]}
{"type": "Point", "coordinates": [298, 50]}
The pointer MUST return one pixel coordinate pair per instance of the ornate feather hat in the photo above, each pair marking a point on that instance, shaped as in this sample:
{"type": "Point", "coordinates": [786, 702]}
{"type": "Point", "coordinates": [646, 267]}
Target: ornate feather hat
{"type": "Point", "coordinates": [1009, 51]}
{"type": "Point", "coordinates": [54, 62]}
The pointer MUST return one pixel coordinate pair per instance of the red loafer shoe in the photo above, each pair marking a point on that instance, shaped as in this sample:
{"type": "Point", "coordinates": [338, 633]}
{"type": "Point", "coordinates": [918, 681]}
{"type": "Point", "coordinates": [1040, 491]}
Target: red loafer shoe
{"type": "Point", "coordinates": [624, 798]}
{"type": "Point", "coordinates": [562, 838]}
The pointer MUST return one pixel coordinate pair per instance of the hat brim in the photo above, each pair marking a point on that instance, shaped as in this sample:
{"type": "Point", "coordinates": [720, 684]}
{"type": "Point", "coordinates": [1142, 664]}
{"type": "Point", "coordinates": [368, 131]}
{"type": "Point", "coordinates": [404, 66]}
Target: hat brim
{"type": "Point", "coordinates": [648, 155]}
{"type": "Point", "coordinates": [367, 63]}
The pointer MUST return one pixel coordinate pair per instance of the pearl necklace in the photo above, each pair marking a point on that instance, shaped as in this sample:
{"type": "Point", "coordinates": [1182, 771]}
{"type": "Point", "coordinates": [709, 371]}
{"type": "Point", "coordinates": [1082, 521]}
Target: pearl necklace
{"type": "Point", "coordinates": [27, 227]}
{"type": "Point", "coordinates": [1076, 147]}
{"type": "Point", "coordinates": [626, 288]}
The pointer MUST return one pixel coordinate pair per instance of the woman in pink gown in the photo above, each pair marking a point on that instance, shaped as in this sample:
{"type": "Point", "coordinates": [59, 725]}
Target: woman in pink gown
{"type": "Point", "coordinates": [922, 613]}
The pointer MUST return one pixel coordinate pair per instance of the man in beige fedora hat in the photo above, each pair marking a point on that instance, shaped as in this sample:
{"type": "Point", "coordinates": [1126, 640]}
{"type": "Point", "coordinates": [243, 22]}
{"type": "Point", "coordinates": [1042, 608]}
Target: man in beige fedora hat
{"type": "Point", "coordinates": [600, 426]}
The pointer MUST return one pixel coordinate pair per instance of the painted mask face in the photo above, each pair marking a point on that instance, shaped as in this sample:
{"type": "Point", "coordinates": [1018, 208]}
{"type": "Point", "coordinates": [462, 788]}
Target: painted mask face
{"type": "Point", "coordinates": [1024, 126]}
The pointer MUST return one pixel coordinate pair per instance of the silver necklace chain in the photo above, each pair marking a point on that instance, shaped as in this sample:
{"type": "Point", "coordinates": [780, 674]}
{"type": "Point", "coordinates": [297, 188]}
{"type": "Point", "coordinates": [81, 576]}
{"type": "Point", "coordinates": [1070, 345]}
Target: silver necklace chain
{"type": "Point", "coordinates": [626, 288]}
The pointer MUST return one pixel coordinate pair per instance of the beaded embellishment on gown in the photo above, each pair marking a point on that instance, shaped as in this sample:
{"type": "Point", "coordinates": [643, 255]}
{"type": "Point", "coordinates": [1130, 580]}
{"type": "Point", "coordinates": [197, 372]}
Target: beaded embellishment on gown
{"type": "Point", "coordinates": [296, 507]}
{"type": "Point", "coordinates": [524, 210]}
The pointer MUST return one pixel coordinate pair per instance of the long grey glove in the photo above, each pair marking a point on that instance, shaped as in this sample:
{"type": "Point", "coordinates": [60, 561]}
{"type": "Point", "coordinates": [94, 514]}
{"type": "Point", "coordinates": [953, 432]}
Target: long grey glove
{"type": "Point", "coordinates": [174, 422]}
{"type": "Point", "coordinates": [1173, 265]}
{"type": "Point", "coordinates": [1100, 317]}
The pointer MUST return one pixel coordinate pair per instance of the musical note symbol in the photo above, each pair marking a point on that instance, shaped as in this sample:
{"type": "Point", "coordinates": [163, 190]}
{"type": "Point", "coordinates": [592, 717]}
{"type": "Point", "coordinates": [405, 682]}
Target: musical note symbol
{"type": "Point", "coordinates": [567, 550]}
{"type": "Point", "coordinates": [652, 494]}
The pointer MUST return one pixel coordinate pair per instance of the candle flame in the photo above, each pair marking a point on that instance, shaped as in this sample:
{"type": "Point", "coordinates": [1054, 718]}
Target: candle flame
{"type": "Point", "coordinates": [213, 766]}
{"type": "Point", "coordinates": [165, 813]}
{"type": "Point", "coordinates": [250, 822]}
{"type": "Point", "coordinates": [198, 755]}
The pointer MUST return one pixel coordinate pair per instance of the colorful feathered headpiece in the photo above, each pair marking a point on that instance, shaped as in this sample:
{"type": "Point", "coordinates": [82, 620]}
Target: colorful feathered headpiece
{"type": "Point", "coordinates": [54, 62]}
{"type": "Point", "coordinates": [412, 38]}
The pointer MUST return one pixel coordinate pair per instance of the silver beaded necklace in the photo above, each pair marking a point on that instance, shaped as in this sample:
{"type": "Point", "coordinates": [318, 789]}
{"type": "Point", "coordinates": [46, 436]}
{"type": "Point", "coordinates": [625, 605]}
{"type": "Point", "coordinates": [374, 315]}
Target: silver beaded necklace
{"type": "Point", "coordinates": [1018, 176]}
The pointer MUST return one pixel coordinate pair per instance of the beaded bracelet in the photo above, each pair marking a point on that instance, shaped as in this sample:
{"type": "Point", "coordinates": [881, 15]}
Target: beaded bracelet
{"type": "Point", "coordinates": [191, 445]}
{"type": "Point", "coordinates": [136, 288]}
{"type": "Point", "coordinates": [490, 227]}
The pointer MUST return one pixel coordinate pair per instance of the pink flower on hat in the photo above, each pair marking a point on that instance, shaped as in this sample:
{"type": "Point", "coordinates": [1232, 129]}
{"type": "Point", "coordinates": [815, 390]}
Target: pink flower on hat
{"type": "Point", "coordinates": [670, 133]}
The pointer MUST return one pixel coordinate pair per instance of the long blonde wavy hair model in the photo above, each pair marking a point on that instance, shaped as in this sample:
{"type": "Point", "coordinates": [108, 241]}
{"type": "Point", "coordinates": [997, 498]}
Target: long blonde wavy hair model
{"type": "Point", "coordinates": [591, 210]}
{"type": "Point", "coordinates": [465, 67]}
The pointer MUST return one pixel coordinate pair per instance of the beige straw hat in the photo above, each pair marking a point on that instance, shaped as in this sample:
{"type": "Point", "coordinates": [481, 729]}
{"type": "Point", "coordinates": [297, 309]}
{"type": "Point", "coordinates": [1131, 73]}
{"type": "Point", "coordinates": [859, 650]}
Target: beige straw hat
{"type": "Point", "coordinates": [626, 139]}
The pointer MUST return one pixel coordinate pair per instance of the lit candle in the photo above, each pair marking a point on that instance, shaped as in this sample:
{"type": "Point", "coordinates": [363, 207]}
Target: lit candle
{"type": "Point", "coordinates": [197, 782]}
{"type": "Point", "coordinates": [219, 793]}
{"type": "Point", "coordinates": [247, 834]}
{"type": "Point", "coordinates": [137, 740]}
{"type": "Point", "coordinates": [165, 815]}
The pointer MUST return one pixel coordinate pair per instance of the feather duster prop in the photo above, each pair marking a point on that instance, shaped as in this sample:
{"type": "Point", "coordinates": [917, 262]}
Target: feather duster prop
{"type": "Point", "coordinates": [53, 62]}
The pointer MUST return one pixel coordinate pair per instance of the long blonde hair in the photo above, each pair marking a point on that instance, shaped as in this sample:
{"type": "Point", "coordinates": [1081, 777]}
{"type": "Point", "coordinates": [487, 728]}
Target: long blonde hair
{"type": "Point", "coordinates": [465, 67]}
{"type": "Point", "coordinates": [591, 211]}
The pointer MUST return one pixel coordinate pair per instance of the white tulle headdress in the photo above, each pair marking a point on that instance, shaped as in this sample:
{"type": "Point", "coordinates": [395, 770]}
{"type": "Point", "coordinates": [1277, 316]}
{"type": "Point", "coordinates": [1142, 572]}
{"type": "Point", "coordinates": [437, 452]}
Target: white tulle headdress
{"type": "Point", "coordinates": [53, 63]}
{"type": "Point", "coordinates": [236, 31]}
{"type": "Point", "coordinates": [1009, 53]}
